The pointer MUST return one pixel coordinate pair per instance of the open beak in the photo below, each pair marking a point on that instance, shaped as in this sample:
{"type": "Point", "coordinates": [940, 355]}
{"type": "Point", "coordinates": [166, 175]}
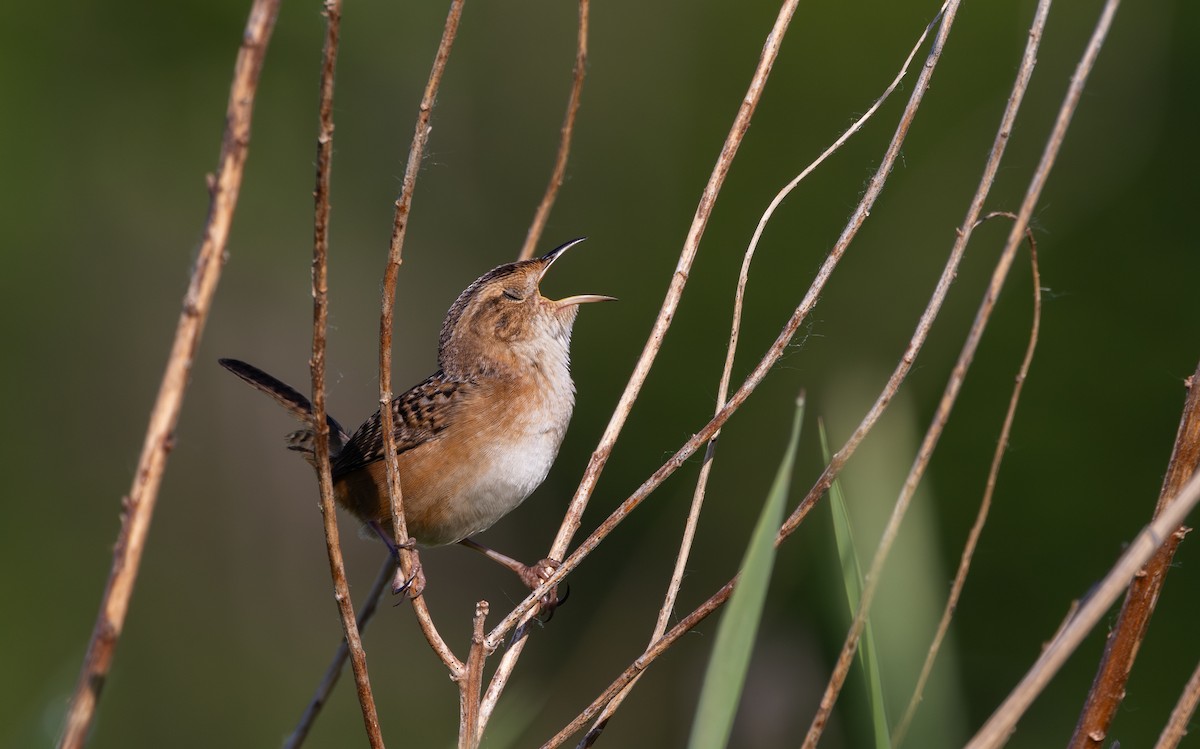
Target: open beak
{"type": "Point", "coordinates": [549, 259]}
{"type": "Point", "coordinates": [583, 299]}
{"type": "Point", "coordinates": [552, 255]}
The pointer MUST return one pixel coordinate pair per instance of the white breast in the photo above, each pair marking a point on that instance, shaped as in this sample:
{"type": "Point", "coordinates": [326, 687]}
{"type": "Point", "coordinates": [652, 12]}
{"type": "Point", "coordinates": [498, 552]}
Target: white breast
{"type": "Point", "coordinates": [518, 458]}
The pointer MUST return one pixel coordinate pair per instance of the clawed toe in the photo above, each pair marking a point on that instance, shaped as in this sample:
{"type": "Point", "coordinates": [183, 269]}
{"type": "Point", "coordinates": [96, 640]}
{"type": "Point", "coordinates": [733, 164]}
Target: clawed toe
{"type": "Point", "coordinates": [411, 587]}
{"type": "Point", "coordinates": [533, 576]}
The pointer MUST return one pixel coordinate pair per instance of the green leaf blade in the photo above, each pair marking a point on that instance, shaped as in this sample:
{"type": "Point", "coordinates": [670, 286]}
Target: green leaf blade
{"type": "Point", "coordinates": [726, 674]}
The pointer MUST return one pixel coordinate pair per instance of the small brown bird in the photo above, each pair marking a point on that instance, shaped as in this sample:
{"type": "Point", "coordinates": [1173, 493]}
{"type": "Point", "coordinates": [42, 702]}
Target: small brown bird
{"type": "Point", "coordinates": [479, 435]}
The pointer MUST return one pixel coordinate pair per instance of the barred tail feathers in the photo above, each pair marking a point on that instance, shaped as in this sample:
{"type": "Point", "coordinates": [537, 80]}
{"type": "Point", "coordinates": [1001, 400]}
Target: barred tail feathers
{"type": "Point", "coordinates": [293, 401]}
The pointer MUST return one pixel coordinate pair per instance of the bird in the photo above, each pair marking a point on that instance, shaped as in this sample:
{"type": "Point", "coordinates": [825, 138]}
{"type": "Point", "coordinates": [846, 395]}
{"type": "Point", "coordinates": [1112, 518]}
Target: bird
{"type": "Point", "coordinates": [475, 438]}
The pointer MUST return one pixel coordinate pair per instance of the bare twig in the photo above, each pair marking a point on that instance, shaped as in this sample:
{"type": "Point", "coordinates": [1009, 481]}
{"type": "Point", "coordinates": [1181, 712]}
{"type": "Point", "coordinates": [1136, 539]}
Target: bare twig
{"type": "Point", "coordinates": [572, 520]}
{"type": "Point", "coordinates": [564, 146]}
{"type": "Point", "coordinates": [666, 314]}
{"type": "Point", "coordinates": [408, 557]}
{"type": "Point", "coordinates": [968, 553]}
{"type": "Point", "coordinates": [469, 730]}
{"type": "Point", "coordinates": [953, 387]}
{"type": "Point", "coordinates": [1108, 689]}
{"type": "Point", "coordinates": [1176, 727]}
{"type": "Point", "coordinates": [651, 654]}
{"type": "Point", "coordinates": [692, 521]}
{"type": "Point", "coordinates": [325, 688]}
{"type": "Point", "coordinates": [936, 301]}
{"type": "Point", "coordinates": [874, 187]}
{"type": "Point", "coordinates": [772, 355]}
{"type": "Point", "coordinates": [633, 672]}
{"type": "Point", "coordinates": [320, 291]}
{"type": "Point", "coordinates": [138, 507]}
{"type": "Point", "coordinates": [998, 727]}
{"type": "Point", "coordinates": [1025, 73]}
{"type": "Point", "coordinates": [1037, 182]}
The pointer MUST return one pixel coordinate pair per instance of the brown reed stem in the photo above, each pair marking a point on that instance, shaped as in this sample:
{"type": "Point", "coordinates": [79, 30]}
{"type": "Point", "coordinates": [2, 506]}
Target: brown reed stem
{"type": "Point", "coordinates": [409, 564]}
{"type": "Point", "coordinates": [320, 291]}
{"type": "Point", "coordinates": [1108, 688]}
{"type": "Point", "coordinates": [137, 508]}
{"type": "Point", "coordinates": [564, 146]}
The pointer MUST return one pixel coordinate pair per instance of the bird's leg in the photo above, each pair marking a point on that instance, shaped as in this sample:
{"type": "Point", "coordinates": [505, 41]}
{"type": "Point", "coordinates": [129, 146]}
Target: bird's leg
{"type": "Point", "coordinates": [412, 586]}
{"type": "Point", "coordinates": [532, 575]}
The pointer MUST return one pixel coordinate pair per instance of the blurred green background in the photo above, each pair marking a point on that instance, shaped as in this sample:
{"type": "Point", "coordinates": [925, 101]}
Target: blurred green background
{"type": "Point", "coordinates": [113, 115]}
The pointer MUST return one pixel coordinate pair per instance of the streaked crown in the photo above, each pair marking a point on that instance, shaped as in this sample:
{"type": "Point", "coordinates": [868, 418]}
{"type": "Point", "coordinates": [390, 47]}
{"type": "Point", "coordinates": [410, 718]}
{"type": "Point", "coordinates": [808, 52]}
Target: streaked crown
{"type": "Point", "coordinates": [502, 320]}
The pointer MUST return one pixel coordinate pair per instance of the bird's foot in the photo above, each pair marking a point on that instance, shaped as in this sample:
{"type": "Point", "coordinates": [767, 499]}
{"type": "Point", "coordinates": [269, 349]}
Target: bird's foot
{"type": "Point", "coordinates": [533, 575]}
{"type": "Point", "coordinates": [410, 586]}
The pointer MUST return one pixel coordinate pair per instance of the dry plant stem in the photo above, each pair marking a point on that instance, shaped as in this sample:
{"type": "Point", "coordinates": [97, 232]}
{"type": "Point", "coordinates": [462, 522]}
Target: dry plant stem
{"type": "Point", "coordinates": [928, 316]}
{"type": "Point", "coordinates": [564, 145]}
{"type": "Point", "coordinates": [968, 553]}
{"type": "Point", "coordinates": [574, 515]}
{"type": "Point", "coordinates": [666, 315]}
{"type": "Point", "coordinates": [683, 267]}
{"type": "Point", "coordinates": [675, 291]}
{"type": "Point", "coordinates": [504, 670]}
{"type": "Point", "coordinates": [634, 671]}
{"type": "Point", "coordinates": [325, 688]}
{"type": "Point", "coordinates": [874, 187]}
{"type": "Point", "coordinates": [320, 291]}
{"type": "Point", "coordinates": [138, 507]}
{"type": "Point", "coordinates": [408, 556]}
{"type": "Point", "coordinates": [1108, 688]}
{"type": "Point", "coordinates": [949, 273]}
{"type": "Point", "coordinates": [685, 546]}
{"type": "Point", "coordinates": [636, 668]}
{"type": "Point", "coordinates": [693, 517]}
{"type": "Point", "coordinates": [1002, 723]}
{"type": "Point", "coordinates": [469, 730]}
{"type": "Point", "coordinates": [773, 354]}
{"type": "Point", "coordinates": [1037, 183]}
{"type": "Point", "coordinates": [1008, 119]}
{"type": "Point", "coordinates": [1176, 727]}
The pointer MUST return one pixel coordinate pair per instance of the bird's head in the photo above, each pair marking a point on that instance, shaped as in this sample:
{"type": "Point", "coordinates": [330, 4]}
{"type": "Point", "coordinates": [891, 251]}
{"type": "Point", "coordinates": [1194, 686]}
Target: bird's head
{"type": "Point", "coordinates": [502, 320]}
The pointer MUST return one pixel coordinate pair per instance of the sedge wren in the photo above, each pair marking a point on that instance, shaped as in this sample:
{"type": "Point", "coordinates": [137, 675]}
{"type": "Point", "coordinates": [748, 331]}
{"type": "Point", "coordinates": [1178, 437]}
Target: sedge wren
{"type": "Point", "coordinates": [476, 437]}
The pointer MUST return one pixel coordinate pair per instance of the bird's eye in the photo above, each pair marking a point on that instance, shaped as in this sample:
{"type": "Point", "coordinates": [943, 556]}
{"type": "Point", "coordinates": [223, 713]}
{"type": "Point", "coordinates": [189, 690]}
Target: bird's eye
{"type": "Point", "coordinates": [510, 294]}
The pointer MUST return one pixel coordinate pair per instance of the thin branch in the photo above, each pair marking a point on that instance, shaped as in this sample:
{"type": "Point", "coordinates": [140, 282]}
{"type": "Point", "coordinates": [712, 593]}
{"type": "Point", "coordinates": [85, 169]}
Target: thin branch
{"type": "Point", "coordinates": [858, 217]}
{"type": "Point", "coordinates": [970, 221]}
{"type": "Point", "coordinates": [1025, 73]}
{"type": "Point", "coordinates": [1032, 194]}
{"type": "Point", "coordinates": [772, 355]}
{"type": "Point", "coordinates": [1108, 689]}
{"type": "Point", "coordinates": [1000, 726]}
{"type": "Point", "coordinates": [574, 515]}
{"type": "Point", "coordinates": [1002, 723]}
{"type": "Point", "coordinates": [1176, 727]}
{"type": "Point", "coordinates": [329, 681]}
{"type": "Point", "coordinates": [635, 669]}
{"type": "Point", "coordinates": [320, 427]}
{"type": "Point", "coordinates": [138, 507]}
{"type": "Point", "coordinates": [950, 395]}
{"type": "Point", "coordinates": [504, 670]}
{"type": "Point", "coordinates": [968, 553]}
{"type": "Point", "coordinates": [683, 267]}
{"type": "Point", "coordinates": [469, 729]}
{"type": "Point", "coordinates": [564, 146]}
{"type": "Point", "coordinates": [693, 517]}
{"type": "Point", "coordinates": [409, 563]}
{"type": "Point", "coordinates": [936, 301]}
